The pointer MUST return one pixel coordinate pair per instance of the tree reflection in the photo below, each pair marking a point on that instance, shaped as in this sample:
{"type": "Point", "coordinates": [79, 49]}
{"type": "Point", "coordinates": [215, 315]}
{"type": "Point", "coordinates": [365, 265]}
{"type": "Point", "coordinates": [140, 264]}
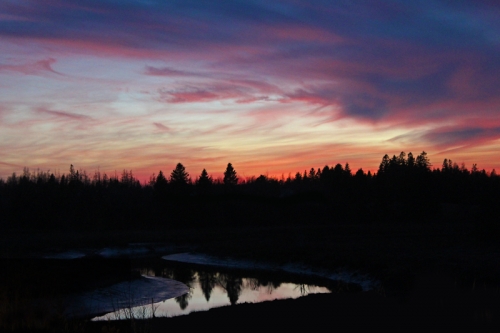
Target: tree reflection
{"type": "Point", "coordinates": [252, 283]}
{"type": "Point", "coordinates": [271, 285]}
{"type": "Point", "coordinates": [208, 281]}
{"type": "Point", "coordinates": [303, 288]}
{"type": "Point", "coordinates": [183, 300]}
{"type": "Point", "coordinates": [232, 285]}
{"type": "Point", "coordinates": [188, 277]}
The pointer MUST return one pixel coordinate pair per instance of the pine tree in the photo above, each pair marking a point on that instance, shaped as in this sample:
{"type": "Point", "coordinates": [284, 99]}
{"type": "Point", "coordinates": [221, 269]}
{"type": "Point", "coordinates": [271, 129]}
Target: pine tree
{"type": "Point", "coordinates": [204, 180]}
{"type": "Point", "coordinates": [230, 175]}
{"type": "Point", "coordinates": [411, 160]}
{"type": "Point", "coordinates": [312, 174]}
{"type": "Point", "coordinates": [347, 170]}
{"type": "Point", "coordinates": [401, 159]}
{"type": "Point", "coordinates": [422, 162]}
{"type": "Point", "coordinates": [384, 165]}
{"type": "Point", "coordinates": [161, 182]}
{"type": "Point", "coordinates": [179, 176]}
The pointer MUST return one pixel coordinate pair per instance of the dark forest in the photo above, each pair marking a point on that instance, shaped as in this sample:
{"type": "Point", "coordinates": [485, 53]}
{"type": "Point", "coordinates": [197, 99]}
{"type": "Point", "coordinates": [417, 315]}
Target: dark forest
{"type": "Point", "coordinates": [404, 188]}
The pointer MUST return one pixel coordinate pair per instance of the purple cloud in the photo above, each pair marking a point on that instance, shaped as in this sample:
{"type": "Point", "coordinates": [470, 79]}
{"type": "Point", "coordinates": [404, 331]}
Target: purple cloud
{"type": "Point", "coordinates": [38, 67]}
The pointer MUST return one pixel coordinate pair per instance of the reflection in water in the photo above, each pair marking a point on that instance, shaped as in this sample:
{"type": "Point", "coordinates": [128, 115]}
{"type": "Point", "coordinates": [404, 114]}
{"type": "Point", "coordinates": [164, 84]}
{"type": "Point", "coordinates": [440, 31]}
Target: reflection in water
{"type": "Point", "coordinates": [209, 289]}
{"type": "Point", "coordinates": [189, 278]}
{"type": "Point", "coordinates": [207, 283]}
{"type": "Point", "coordinates": [232, 285]}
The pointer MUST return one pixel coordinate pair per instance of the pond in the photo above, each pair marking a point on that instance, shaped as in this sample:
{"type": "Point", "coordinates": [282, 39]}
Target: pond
{"type": "Point", "coordinates": [210, 287]}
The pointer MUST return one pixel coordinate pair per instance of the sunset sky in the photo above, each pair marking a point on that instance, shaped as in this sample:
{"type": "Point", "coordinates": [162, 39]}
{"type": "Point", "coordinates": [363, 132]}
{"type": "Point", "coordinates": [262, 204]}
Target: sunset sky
{"type": "Point", "coordinates": [273, 87]}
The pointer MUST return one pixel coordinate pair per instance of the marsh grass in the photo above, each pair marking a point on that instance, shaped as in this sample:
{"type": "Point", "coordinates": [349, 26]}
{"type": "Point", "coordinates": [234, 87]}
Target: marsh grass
{"type": "Point", "coordinates": [134, 319]}
{"type": "Point", "coordinates": [21, 313]}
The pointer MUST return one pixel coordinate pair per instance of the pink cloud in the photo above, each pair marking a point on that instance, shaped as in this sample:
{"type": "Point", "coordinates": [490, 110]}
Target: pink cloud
{"type": "Point", "coordinates": [242, 91]}
{"type": "Point", "coordinates": [192, 96]}
{"type": "Point", "coordinates": [302, 95]}
{"type": "Point", "coordinates": [41, 66]}
{"type": "Point", "coordinates": [11, 165]}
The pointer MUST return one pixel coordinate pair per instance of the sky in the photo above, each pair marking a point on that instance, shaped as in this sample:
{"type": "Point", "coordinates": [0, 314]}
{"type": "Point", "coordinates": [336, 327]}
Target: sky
{"type": "Point", "coordinates": [273, 87]}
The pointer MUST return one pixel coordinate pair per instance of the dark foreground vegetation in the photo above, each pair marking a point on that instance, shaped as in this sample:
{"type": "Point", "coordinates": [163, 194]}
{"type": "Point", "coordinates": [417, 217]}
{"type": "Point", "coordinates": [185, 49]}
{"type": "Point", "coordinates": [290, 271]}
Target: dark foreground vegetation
{"type": "Point", "coordinates": [429, 235]}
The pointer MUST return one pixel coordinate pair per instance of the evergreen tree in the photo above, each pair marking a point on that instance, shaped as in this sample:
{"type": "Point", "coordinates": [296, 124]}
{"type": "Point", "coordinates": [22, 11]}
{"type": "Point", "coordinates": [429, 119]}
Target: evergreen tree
{"type": "Point", "coordinates": [161, 182]}
{"type": "Point", "coordinates": [422, 162]}
{"type": "Point", "coordinates": [204, 181]}
{"type": "Point", "coordinates": [447, 165]}
{"type": "Point", "coordinates": [179, 176]}
{"type": "Point", "coordinates": [312, 174]}
{"type": "Point", "coordinates": [338, 170]}
{"type": "Point", "coordinates": [411, 160]}
{"type": "Point", "coordinates": [298, 177]}
{"type": "Point", "coordinates": [474, 168]}
{"type": "Point", "coordinates": [401, 159]}
{"type": "Point", "coordinates": [230, 175]}
{"type": "Point", "coordinates": [347, 170]}
{"type": "Point", "coordinates": [360, 173]}
{"type": "Point", "coordinates": [384, 165]}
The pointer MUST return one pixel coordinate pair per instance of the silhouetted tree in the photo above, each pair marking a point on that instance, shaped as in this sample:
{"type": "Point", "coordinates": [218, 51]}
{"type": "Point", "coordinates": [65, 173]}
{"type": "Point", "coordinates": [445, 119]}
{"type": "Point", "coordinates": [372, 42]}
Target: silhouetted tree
{"type": "Point", "coordinates": [179, 176]}
{"type": "Point", "coordinates": [161, 182]}
{"type": "Point", "coordinates": [204, 181]}
{"type": "Point", "coordinates": [411, 160]}
{"type": "Point", "coordinates": [422, 162]}
{"type": "Point", "coordinates": [359, 173]}
{"type": "Point", "coordinates": [72, 173]}
{"type": "Point", "coordinates": [338, 171]}
{"type": "Point", "coordinates": [312, 174]}
{"type": "Point", "coordinates": [128, 178]}
{"type": "Point", "coordinates": [298, 177]}
{"type": "Point", "coordinates": [230, 175]}
{"type": "Point", "coordinates": [401, 159]}
{"type": "Point", "coordinates": [384, 165]}
{"type": "Point", "coordinates": [347, 170]}
{"type": "Point", "coordinates": [261, 179]}
{"type": "Point", "coordinates": [474, 169]}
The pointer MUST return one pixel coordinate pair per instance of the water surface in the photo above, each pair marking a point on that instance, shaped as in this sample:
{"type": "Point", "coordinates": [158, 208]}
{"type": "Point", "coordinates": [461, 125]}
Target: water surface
{"type": "Point", "coordinates": [210, 288]}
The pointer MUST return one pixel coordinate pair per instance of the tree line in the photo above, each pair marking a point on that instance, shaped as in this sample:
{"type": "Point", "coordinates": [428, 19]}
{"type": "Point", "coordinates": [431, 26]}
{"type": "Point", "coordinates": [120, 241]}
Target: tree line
{"type": "Point", "coordinates": [403, 183]}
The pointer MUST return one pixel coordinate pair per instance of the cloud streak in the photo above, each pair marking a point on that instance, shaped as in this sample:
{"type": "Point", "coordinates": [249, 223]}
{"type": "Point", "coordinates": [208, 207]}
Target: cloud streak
{"type": "Point", "coordinates": [39, 67]}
